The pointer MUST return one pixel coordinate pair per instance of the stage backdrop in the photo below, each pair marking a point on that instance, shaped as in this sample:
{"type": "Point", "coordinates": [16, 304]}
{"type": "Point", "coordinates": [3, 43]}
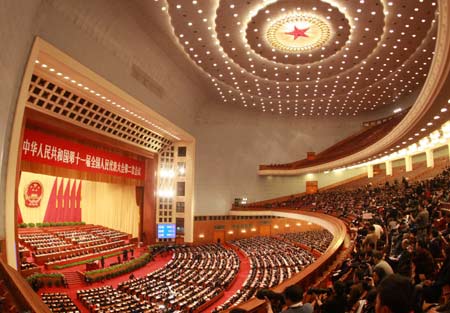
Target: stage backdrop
{"type": "Point", "coordinates": [45, 198]}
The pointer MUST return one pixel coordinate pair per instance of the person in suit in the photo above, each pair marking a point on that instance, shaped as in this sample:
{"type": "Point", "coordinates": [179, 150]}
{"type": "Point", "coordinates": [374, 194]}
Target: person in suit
{"type": "Point", "coordinates": [293, 296]}
{"type": "Point", "coordinates": [394, 295]}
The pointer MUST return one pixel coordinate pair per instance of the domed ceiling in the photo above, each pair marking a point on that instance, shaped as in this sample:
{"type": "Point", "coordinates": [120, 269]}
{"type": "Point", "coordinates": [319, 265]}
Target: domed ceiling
{"type": "Point", "coordinates": [308, 57]}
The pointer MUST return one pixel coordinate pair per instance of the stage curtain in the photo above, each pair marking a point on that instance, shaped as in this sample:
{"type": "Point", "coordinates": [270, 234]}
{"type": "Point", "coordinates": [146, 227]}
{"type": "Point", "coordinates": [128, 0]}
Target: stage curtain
{"type": "Point", "coordinates": [110, 205]}
{"type": "Point", "coordinates": [106, 204]}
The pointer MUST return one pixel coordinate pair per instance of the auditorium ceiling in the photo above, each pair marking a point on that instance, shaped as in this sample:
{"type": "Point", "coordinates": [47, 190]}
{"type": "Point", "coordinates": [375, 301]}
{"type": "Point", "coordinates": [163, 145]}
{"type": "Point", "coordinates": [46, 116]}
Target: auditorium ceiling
{"type": "Point", "coordinates": [306, 58]}
{"type": "Point", "coordinates": [314, 59]}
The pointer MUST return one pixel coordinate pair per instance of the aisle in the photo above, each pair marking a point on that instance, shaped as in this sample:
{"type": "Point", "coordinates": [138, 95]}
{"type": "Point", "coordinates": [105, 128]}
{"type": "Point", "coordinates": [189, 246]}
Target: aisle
{"type": "Point", "coordinates": [238, 282]}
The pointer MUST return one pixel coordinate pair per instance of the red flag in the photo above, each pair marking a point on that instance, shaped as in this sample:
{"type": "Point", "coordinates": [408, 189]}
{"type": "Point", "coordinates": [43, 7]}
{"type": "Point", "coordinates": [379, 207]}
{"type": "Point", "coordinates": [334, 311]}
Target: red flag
{"type": "Point", "coordinates": [78, 206]}
{"type": "Point", "coordinates": [19, 216]}
{"type": "Point", "coordinates": [73, 202]}
{"type": "Point", "coordinates": [65, 216]}
{"type": "Point", "coordinates": [50, 213]}
{"type": "Point", "coordinates": [60, 206]}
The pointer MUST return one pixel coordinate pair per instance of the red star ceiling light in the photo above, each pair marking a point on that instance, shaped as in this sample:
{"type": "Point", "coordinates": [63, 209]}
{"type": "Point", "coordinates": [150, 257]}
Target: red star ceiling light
{"type": "Point", "coordinates": [298, 32]}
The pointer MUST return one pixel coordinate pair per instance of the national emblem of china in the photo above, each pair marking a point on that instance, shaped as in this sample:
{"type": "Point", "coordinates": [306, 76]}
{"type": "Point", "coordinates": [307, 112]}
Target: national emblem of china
{"type": "Point", "coordinates": [33, 194]}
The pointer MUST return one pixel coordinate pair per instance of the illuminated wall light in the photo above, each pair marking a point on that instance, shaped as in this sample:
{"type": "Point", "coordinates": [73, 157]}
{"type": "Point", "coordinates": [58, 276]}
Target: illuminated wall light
{"type": "Point", "coordinates": [287, 225]}
{"type": "Point", "coordinates": [276, 226]}
{"type": "Point", "coordinates": [299, 224]}
{"type": "Point", "coordinates": [201, 236]}
{"type": "Point", "coordinates": [165, 193]}
{"type": "Point", "coordinates": [424, 142]}
{"type": "Point", "coordinates": [413, 148]}
{"type": "Point", "coordinates": [230, 232]}
{"type": "Point", "coordinates": [446, 128]}
{"type": "Point", "coordinates": [166, 173]}
{"type": "Point", "coordinates": [253, 229]}
{"type": "Point", "coordinates": [243, 231]}
{"type": "Point", "coordinates": [435, 135]}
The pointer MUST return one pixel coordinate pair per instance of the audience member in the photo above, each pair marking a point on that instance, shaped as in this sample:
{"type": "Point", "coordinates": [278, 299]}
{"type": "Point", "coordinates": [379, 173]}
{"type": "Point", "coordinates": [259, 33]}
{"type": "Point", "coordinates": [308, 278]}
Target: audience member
{"type": "Point", "coordinates": [394, 295]}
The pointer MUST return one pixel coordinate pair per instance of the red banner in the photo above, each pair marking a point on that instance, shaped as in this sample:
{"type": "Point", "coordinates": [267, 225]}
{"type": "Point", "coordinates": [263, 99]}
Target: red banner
{"type": "Point", "coordinates": [42, 148]}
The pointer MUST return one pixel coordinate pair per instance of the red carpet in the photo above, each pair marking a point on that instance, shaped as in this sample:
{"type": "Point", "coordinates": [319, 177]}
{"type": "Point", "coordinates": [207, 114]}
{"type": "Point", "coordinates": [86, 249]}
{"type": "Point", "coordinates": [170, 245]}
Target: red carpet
{"type": "Point", "coordinates": [238, 282]}
{"type": "Point", "coordinates": [157, 263]}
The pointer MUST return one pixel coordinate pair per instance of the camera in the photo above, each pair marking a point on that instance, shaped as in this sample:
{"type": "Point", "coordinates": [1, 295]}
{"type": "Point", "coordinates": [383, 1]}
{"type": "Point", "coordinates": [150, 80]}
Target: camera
{"type": "Point", "coordinates": [276, 299]}
{"type": "Point", "coordinates": [319, 291]}
{"type": "Point", "coordinates": [262, 294]}
{"type": "Point", "coordinates": [368, 279]}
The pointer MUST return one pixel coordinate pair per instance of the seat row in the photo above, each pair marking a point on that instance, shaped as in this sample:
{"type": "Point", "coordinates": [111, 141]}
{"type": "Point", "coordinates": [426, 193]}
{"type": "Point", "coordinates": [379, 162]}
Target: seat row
{"type": "Point", "coordinates": [272, 261]}
{"type": "Point", "coordinates": [59, 302]}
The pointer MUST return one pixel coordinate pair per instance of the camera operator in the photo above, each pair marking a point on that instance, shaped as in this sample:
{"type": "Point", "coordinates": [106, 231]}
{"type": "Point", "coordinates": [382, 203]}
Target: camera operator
{"type": "Point", "coordinates": [275, 300]}
{"type": "Point", "coordinates": [336, 301]}
{"type": "Point", "coordinates": [293, 296]}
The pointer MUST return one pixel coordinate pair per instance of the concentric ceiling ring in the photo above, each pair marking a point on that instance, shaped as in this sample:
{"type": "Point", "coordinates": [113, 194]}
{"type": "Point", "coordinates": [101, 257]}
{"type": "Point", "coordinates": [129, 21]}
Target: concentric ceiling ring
{"type": "Point", "coordinates": [363, 65]}
{"type": "Point", "coordinates": [298, 33]}
{"type": "Point", "coordinates": [293, 32]}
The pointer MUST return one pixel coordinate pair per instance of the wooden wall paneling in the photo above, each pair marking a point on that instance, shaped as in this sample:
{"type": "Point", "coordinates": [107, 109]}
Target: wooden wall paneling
{"type": "Point", "coordinates": [264, 230]}
{"type": "Point", "coordinates": [306, 277]}
{"type": "Point", "coordinates": [311, 186]}
{"type": "Point", "coordinates": [219, 236]}
{"type": "Point", "coordinates": [205, 231]}
{"type": "Point", "coordinates": [3, 250]}
{"type": "Point", "coordinates": [23, 296]}
{"type": "Point", "coordinates": [140, 203]}
{"type": "Point", "coordinates": [17, 192]}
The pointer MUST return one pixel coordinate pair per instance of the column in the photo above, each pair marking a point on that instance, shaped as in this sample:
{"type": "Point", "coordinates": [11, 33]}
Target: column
{"type": "Point", "coordinates": [408, 163]}
{"type": "Point", "coordinates": [370, 171]}
{"type": "Point", "coordinates": [149, 207]}
{"type": "Point", "coordinates": [388, 168]}
{"type": "Point", "coordinates": [448, 145]}
{"type": "Point", "coordinates": [189, 196]}
{"type": "Point", "coordinates": [430, 158]}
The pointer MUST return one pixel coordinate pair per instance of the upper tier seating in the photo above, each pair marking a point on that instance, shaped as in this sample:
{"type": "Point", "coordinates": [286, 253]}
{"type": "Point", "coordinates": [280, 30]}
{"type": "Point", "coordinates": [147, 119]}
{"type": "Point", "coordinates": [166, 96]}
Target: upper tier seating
{"type": "Point", "coordinates": [303, 201]}
{"type": "Point", "coordinates": [348, 146]}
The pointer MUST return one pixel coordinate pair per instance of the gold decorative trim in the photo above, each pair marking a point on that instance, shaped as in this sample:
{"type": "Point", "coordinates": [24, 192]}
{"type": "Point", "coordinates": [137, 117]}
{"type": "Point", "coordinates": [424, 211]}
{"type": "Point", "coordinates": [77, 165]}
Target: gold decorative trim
{"type": "Point", "coordinates": [314, 21]}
